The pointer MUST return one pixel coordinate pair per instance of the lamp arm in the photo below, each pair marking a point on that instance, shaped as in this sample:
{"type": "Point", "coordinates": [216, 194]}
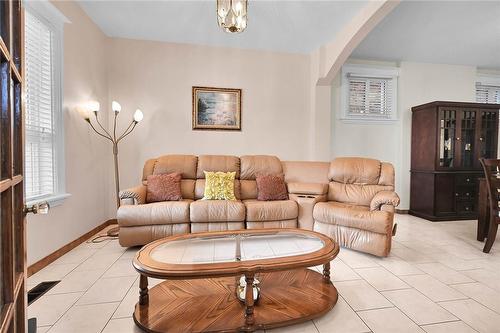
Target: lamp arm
{"type": "Point", "coordinates": [114, 127]}
{"type": "Point", "coordinates": [126, 130]}
{"type": "Point", "coordinates": [134, 123]}
{"type": "Point", "coordinates": [102, 127]}
{"type": "Point", "coordinates": [98, 133]}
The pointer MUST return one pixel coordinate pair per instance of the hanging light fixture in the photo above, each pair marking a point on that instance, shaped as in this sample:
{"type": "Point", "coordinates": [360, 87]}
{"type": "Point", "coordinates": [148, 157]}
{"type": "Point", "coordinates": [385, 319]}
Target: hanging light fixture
{"type": "Point", "coordinates": [232, 15]}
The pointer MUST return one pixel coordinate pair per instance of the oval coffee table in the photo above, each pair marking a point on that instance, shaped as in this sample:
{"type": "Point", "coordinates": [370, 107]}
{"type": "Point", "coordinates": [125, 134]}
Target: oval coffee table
{"type": "Point", "coordinates": [206, 274]}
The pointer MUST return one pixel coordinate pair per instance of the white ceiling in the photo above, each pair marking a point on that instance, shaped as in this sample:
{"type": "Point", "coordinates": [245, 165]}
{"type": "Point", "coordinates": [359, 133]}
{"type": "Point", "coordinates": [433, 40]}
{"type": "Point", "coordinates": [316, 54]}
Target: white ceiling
{"type": "Point", "coordinates": [457, 32]}
{"type": "Point", "coordinates": [289, 26]}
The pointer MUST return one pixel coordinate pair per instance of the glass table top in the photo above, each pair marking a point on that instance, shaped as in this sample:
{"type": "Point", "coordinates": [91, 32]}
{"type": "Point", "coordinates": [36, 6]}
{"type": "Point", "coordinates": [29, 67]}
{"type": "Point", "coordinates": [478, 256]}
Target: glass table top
{"type": "Point", "coordinates": [235, 247]}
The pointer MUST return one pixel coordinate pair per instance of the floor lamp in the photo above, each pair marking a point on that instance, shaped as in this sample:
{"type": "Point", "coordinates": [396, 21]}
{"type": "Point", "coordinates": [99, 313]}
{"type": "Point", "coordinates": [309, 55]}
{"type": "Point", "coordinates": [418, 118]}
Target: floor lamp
{"type": "Point", "coordinates": [94, 107]}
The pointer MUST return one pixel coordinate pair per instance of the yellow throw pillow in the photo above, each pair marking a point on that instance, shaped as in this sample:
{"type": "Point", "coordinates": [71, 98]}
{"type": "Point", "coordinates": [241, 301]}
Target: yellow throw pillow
{"type": "Point", "coordinates": [219, 185]}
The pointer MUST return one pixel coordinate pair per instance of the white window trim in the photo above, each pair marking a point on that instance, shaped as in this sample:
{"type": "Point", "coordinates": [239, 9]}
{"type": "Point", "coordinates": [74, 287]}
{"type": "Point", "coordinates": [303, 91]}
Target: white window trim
{"type": "Point", "coordinates": [50, 15]}
{"type": "Point", "coordinates": [367, 71]}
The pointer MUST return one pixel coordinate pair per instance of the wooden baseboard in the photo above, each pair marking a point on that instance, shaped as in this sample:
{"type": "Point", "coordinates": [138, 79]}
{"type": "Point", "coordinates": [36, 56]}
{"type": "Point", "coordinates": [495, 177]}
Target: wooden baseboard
{"type": "Point", "coordinates": [32, 269]}
{"type": "Point", "coordinates": [402, 211]}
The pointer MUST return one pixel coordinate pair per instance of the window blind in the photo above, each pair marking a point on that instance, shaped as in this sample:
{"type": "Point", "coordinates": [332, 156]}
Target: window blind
{"type": "Point", "coordinates": [487, 94]}
{"type": "Point", "coordinates": [39, 130]}
{"type": "Point", "coordinates": [370, 96]}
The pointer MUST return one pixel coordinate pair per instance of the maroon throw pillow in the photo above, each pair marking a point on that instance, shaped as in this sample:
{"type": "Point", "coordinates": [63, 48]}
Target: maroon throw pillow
{"type": "Point", "coordinates": [164, 187]}
{"type": "Point", "coordinates": [271, 187]}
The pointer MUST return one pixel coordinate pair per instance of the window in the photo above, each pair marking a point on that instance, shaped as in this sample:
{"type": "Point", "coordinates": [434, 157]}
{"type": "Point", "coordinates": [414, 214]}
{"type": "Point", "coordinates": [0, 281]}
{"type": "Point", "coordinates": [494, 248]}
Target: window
{"type": "Point", "coordinates": [487, 93]}
{"type": "Point", "coordinates": [369, 93]}
{"type": "Point", "coordinates": [44, 149]}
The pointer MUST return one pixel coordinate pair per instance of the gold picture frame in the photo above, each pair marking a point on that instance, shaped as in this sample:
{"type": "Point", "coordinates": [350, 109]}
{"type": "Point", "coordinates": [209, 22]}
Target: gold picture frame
{"type": "Point", "coordinates": [216, 109]}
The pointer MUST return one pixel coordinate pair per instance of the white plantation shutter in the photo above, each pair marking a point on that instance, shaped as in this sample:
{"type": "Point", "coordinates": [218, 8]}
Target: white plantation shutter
{"type": "Point", "coordinates": [487, 93]}
{"type": "Point", "coordinates": [370, 96]}
{"type": "Point", "coordinates": [40, 130]}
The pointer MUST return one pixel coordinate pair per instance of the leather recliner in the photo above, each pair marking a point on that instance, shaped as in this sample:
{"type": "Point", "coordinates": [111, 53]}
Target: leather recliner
{"type": "Point", "coordinates": [359, 212]}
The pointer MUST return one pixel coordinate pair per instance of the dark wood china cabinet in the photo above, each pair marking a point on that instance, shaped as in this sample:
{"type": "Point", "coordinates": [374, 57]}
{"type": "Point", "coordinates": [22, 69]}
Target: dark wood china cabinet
{"type": "Point", "coordinates": [447, 140]}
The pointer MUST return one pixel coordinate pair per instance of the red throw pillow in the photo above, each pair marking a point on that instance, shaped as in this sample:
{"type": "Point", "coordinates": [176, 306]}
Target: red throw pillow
{"type": "Point", "coordinates": [271, 187]}
{"type": "Point", "coordinates": [164, 187]}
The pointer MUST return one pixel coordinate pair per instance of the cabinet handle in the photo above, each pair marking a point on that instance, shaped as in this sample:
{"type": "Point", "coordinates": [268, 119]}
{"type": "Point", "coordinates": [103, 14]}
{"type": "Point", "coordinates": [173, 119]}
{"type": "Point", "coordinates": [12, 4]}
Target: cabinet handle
{"type": "Point", "coordinates": [458, 139]}
{"type": "Point", "coordinates": [467, 194]}
{"type": "Point", "coordinates": [456, 194]}
{"type": "Point", "coordinates": [481, 139]}
{"type": "Point", "coordinates": [466, 208]}
{"type": "Point", "coordinates": [468, 179]}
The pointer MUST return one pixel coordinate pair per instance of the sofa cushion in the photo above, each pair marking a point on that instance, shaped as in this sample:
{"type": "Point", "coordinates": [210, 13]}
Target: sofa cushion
{"type": "Point", "coordinates": [217, 211]}
{"type": "Point", "coordinates": [184, 164]}
{"type": "Point", "coordinates": [223, 163]}
{"type": "Point", "coordinates": [252, 165]}
{"type": "Point", "coordinates": [271, 187]}
{"type": "Point", "coordinates": [165, 187]}
{"type": "Point", "coordinates": [359, 217]}
{"type": "Point", "coordinates": [354, 170]}
{"type": "Point", "coordinates": [166, 212]}
{"type": "Point", "coordinates": [355, 194]}
{"type": "Point", "coordinates": [278, 210]}
{"type": "Point", "coordinates": [248, 189]}
{"type": "Point", "coordinates": [306, 171]}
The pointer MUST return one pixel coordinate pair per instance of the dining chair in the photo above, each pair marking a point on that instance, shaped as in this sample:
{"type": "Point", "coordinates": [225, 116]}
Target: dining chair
{"type": "Point", "coordinates": [491, 169]}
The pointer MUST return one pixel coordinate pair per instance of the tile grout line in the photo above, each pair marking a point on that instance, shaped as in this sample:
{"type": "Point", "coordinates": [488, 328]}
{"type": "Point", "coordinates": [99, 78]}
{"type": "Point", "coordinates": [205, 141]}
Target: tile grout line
{"type": "Point", "coordinates": [84, 292]}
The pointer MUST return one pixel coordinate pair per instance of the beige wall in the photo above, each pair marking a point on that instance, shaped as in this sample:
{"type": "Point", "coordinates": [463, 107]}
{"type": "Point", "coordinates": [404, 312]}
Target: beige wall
{"type": "Point", "coordinates": [421, 83]}
{"type": "Point", "coordinates": [157, 77]}
{"type": "Point", "coordinates": [87, 156]}
{"type": "Point", "coordinates": [418, 83]}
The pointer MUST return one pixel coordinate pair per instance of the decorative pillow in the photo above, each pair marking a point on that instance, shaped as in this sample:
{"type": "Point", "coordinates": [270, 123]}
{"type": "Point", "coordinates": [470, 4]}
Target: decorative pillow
{"type": "Point", "coordinates": [219, 185]}
{"type": "Point", "coordinates": [271, 187]}
{"type": "Point", "coordinates": [164, 187]}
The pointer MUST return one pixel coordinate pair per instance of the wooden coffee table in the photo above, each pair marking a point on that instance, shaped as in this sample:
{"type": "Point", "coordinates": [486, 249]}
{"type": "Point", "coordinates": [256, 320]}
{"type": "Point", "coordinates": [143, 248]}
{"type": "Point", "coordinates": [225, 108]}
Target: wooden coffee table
{"type": "Point", "coordinates": [204, 272]}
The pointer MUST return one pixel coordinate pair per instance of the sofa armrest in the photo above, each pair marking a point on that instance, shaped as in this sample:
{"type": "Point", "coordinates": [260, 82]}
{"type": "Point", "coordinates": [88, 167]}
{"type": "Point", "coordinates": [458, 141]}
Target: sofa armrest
{"type": "Point", "coordinates": [384, 198]}
{"type": "Point", "coordinates": [306, 204]}
{"type": "Point", "coordinates": [307, 188]}
{"type": "Point", "coordinates": [133, 196]}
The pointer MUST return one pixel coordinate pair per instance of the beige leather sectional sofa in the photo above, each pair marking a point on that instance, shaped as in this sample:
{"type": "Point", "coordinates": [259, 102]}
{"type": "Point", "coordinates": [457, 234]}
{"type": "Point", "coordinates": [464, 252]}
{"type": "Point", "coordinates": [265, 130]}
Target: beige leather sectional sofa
{"type": "Point", "coordinates": [351, 200]}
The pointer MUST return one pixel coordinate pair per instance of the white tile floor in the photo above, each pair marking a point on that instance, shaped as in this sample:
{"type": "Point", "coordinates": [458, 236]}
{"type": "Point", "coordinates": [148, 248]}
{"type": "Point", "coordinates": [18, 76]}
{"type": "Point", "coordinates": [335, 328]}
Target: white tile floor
{"type": "Point", "coordinates": [436, 280]}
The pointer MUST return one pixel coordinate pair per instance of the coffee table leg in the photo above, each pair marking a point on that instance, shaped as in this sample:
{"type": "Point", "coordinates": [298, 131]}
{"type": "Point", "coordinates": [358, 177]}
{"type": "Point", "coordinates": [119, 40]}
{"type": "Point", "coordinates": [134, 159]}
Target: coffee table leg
{"type": "Point", "coordinates": [249, 317]}
{"type": "Point", "coordinates": [143, 292]}
{"type": "Point", "coordinates": [326, 272]}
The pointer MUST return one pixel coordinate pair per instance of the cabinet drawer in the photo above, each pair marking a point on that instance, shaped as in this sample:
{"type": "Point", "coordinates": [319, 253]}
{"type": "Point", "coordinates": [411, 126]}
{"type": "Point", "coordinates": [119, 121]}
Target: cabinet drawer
{"type": "Point", "coordinates": [466, 192]}
{"type": "Point", "coordinates": [465, 206]}
{"type": "Point", "coordinates": [466, 179]}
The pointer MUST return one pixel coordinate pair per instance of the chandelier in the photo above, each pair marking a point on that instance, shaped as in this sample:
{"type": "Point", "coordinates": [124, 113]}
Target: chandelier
{"type": "Point", "coordinates": [232, 15]}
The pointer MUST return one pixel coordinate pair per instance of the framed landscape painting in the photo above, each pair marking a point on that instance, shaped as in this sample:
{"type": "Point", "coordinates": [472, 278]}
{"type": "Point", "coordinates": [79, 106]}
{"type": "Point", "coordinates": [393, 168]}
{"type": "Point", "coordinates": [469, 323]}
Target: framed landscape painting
{"type": "Point", "coordinates": [216, 109]}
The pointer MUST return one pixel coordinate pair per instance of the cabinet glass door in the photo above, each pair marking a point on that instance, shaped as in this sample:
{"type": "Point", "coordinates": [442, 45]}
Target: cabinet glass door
{"type": "Point", "coordinates": [467, 138]}
{"type": "Point", "coordinates": [489, 128]}
{"type": "Point", "coordinates": [447, 131]}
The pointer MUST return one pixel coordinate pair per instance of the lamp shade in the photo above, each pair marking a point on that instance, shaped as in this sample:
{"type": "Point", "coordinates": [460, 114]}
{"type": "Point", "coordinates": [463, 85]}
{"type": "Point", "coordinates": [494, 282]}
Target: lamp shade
{"type": "Point", "coordinates": [138, 115]}
{"type": "Point", "coordinates": [94, 106]}
{"type": "Point", "coordinates": [84, 112]}
{"type": "Point", "coordinates": [116, 107]}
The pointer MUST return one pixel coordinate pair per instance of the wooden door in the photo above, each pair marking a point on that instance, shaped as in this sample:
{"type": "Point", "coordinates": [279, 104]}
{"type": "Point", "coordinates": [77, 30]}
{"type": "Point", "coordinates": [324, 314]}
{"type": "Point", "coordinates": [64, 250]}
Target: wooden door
{"type": "Point", "coordinates": [12, 220]}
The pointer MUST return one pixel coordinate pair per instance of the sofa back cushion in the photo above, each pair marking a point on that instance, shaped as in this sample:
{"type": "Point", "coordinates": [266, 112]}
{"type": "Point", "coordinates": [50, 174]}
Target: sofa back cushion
{"type": "Point", "coordinates": [251, 165]}
{"type": "Point", "coordinates": [183, 164]}
{"type": "Point", "coordinates": [215, 163]}
{"type": "Point", "coordinates": [306, 172]}
{"type": "Point", "coordinates": [356, 180]}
